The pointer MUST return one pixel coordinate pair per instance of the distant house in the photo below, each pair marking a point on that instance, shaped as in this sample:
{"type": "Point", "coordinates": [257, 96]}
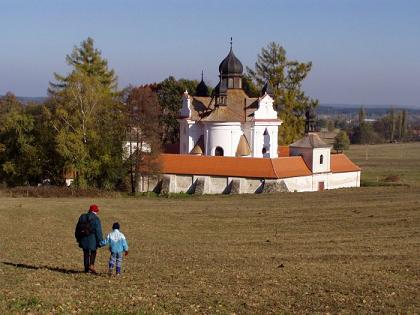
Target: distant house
{"type": "Point", "coordinates": [228, 144]}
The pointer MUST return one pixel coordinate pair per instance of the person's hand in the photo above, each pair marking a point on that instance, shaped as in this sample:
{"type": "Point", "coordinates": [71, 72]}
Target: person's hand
{"type": "Point", "coordinates": [126, 253]}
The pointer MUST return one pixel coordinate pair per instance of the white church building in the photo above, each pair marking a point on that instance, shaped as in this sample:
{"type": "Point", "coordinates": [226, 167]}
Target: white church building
{"type": "Point", "coordinates": [229, 144]}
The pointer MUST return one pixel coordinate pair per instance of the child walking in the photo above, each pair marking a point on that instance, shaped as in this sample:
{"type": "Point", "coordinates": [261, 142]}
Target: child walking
{"type": "Point", "coordinates": [117, 245]}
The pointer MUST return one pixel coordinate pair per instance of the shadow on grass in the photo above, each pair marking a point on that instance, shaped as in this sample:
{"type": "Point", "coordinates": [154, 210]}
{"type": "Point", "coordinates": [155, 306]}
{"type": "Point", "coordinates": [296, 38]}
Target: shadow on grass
{"type": "Point", "coordinates": [55, 269]}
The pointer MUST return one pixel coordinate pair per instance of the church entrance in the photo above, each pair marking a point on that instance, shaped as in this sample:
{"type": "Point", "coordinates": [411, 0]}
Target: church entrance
{"type": "Point", "coordinates": [321, 186]}
{"type": "Point", "coordinates": [218, 151]}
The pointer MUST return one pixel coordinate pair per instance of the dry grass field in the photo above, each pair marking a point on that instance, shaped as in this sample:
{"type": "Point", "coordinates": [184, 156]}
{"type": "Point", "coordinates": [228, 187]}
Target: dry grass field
{"type": "Point", "coordinates": [344, 251]}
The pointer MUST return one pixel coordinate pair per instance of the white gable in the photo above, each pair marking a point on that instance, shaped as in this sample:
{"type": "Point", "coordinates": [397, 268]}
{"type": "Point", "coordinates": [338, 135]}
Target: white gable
{"type": "Point", "coordinates": [265, 108]}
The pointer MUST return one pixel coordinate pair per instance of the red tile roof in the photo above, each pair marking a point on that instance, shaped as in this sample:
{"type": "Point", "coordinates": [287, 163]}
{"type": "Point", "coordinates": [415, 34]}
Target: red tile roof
{"type": "Point", "coordinates": [234, 166]}
{"type": "Point", "coordinates": [282, 167]}
{"type": "Point", "coordinates": [341, 163]}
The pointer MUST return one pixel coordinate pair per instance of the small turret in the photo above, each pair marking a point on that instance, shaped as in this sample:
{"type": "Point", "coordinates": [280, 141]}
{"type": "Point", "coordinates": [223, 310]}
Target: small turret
{"type": "Point", "coordinates": [202, 89]}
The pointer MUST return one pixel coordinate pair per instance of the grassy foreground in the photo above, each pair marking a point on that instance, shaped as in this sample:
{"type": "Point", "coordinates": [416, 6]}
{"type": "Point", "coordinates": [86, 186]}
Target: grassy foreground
{"type": "Point", "coordinates": [347, 251]}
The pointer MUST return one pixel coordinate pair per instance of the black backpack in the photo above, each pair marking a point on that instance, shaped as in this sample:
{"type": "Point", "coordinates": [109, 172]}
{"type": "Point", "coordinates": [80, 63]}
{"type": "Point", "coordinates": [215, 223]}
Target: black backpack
{"type": "Point", "coordinates": [84, 227]}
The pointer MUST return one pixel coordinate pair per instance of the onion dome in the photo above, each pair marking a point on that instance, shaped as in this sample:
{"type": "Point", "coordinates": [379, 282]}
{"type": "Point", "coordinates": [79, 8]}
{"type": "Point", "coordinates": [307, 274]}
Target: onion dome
{"type": "Point", "coordinates": [267, 88]}
{"type": "Point", "coordinates": [216, 90]}
{"type": "Point", "coordinates": [231, 64]}
{"type": "Point", "coordinates": [202, 89]}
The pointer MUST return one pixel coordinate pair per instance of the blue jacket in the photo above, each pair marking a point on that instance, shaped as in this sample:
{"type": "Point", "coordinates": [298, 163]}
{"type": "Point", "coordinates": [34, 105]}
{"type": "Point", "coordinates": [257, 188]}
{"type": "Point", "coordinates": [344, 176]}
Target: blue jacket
{"type": "Point", "coordinates": [116, 241]}
{"type": "Point", "coordinates": [94, 239]}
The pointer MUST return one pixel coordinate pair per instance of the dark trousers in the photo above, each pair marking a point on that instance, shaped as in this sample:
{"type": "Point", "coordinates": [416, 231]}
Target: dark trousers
{"type": "Point", "coordinates": [89, 257]}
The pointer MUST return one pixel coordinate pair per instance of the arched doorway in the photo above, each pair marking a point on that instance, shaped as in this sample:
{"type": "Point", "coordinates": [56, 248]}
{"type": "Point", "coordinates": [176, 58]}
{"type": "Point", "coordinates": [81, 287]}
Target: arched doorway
{"type": "Point", "coordinates": [218, 151]}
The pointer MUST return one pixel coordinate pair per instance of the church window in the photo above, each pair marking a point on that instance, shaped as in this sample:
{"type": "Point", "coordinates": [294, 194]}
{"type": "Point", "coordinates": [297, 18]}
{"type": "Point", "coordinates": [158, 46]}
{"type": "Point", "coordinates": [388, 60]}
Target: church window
{"type": "Point", "coordinates": [218, 151]}
{"type": "Point", "coordinates": [321, 159]}
{"type": "Point", "coordinates": [230, 83]}
{"type": "Point", "coordinates": [266, 143]}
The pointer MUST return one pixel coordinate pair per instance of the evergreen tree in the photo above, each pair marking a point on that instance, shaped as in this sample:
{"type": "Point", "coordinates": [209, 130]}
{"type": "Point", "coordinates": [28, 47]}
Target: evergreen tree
{"type": "Point", "coordinates": [362, 116]}
{"type": "Point", "coordinates": [250, 87]}
{"type": "Point", "coordinates": [87, 59]}
{"type": "Point", "coordinates": [169, 94]}
{"type": "Point", "coordinates": [88, 118]}
{"type": "Point", "coordinates": [341, 141]}
{"type": "Point", "coordinates": [403, 124]}
{"type": "Point", "coordinates": [392, 123]}
{"type": "Point", "coordinates": [286, 77]}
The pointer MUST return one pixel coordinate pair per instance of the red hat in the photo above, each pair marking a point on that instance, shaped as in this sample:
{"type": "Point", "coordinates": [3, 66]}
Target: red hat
{"type": "Point", "coordinates": [93, 208]}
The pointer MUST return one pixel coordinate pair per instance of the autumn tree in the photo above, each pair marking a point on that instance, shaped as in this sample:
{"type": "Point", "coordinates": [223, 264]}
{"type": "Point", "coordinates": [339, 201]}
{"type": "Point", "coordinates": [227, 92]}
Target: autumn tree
{"type": "Point", "coordinates": [144, 133]}
{"type": "Point", "coordinates": [286, 77]}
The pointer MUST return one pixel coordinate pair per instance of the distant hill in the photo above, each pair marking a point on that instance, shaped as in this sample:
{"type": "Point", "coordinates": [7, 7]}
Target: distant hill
{"type": "Point", "coordinates": [371, 110]}
{"type": "Point", "coordinates": [29, 99]}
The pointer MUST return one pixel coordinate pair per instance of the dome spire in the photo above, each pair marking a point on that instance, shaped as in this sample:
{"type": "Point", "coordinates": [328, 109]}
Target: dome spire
{"type": "Point", "coordinates": [202, 89]}
{"type": "Point", "coordinates": [231, 43]}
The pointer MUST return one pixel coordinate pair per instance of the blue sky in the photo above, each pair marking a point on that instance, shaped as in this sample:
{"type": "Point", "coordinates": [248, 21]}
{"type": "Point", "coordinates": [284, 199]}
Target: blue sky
{"type": "Point", "coordinates": [363, 51]}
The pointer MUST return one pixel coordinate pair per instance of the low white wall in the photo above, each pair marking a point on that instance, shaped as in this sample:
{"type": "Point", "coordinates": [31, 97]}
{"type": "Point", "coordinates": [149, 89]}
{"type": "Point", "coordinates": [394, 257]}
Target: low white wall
{"type": "Point", "coordinates": [344, 180]}
{"type": "Point", "coordinates": [183, 183]}
{"type": "Point", "coordinates": [219, 185]}
{"type": "Point", "coordinates": [301, 183]}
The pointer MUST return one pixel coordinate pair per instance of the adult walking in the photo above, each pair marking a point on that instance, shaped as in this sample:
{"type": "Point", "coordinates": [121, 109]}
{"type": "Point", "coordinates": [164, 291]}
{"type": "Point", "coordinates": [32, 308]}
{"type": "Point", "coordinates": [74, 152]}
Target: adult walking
{"type": "Point", "coordinates": [88, 234]}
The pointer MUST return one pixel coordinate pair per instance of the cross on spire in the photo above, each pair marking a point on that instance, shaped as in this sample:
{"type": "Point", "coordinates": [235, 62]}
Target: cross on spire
{"type": "Point", "coordinates": [231, 42]}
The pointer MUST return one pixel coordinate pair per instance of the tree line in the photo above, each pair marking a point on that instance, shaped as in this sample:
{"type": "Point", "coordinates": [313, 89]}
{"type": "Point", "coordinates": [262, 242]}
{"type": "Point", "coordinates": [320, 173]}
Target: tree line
{"type": "Point", "coordinates": [79, 130]}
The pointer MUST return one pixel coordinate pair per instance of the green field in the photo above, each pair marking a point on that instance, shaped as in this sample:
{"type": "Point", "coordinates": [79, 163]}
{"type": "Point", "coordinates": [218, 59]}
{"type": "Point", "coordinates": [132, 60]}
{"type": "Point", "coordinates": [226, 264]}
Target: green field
{"type": "Point", "coordinates": [383, 160]}
{"type": "Point", "coordinates": [343, 251]}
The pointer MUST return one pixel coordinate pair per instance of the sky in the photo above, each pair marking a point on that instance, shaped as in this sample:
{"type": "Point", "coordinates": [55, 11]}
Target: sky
{"type": "Point", "coordinates": [364, 52]}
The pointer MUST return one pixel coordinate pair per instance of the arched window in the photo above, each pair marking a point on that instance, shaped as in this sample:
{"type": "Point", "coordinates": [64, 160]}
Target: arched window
{"type": "Point", "coordinates": [218, 151]}
{"type": "Point", "coordinates": [321, 159]}
{"type": "Point", "coordinates": [266, 145]}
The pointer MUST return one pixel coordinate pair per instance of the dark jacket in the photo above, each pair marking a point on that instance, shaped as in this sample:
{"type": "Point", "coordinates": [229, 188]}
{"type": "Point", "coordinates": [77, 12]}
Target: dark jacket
{"type": "Point", "coordinates": [94, 239]}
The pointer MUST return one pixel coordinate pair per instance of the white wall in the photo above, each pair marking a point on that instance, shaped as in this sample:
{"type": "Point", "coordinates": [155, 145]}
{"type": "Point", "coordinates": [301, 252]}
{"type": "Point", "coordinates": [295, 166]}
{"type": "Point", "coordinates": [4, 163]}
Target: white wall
{"type": "Point", "coordinates": [219, 184]}
{"type": "Point", "coordinates": [269, 141]}
{"type": "Point", "coordinates": [325, 166]}
{"type": "Point", "coordinates": [343, 180]}
{"type": "Point", "coordinates": [265, 108]}
{"type": "Point", "coordinates": [224, 135]}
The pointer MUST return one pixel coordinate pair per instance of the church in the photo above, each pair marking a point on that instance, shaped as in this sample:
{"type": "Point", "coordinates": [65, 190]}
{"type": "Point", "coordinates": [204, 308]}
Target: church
{"type": "Point", "coordinates": [229, 144]}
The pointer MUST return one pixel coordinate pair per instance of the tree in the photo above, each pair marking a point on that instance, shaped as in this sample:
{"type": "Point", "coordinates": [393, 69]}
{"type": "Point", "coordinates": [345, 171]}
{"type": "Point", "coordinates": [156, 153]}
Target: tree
{"type": "Point", "coordinates": [250, 88]}
{"type": "Point", "coordinates": [19, 161]}
{"type": "Point", "coordinates": [392, 123]}
{"type": "Point", "coordinates": [362, 115]}
{"type": "Point", "coordinates": [286, 77]}
{"type": "Point", "coordinates": [88, 118]}
{"type": "Point", "coordinates": [87, 60]}
{"type": "Point", "coordinates": [169, 93]}
{"type": "Point", "coordinates": [341, 141]}
{"type": "Point", "coordinates": [143, 133]}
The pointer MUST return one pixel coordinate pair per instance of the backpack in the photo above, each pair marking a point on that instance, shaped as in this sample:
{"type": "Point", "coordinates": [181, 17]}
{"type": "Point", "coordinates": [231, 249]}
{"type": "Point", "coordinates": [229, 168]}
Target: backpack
{"type": "Point", "coordinates": [84, 227]}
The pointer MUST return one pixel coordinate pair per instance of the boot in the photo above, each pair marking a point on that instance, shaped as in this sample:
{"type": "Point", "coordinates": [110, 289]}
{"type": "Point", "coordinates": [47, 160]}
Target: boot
{"type": "Point", "coordinates": [92, 269]}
